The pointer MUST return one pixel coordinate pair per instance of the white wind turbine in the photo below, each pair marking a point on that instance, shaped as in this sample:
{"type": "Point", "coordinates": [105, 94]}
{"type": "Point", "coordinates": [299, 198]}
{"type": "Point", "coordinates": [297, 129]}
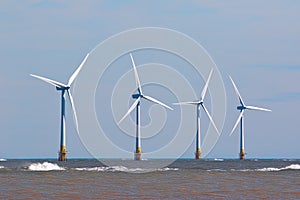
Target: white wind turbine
{"type": "Point", "coordinates": [240, 119]}
{"type": "Point", "coordinates": [136, 104]}
{"type": "Point", "coordinates": [63, 88]}
{"type": "Point", "coordinates": [199, 104]}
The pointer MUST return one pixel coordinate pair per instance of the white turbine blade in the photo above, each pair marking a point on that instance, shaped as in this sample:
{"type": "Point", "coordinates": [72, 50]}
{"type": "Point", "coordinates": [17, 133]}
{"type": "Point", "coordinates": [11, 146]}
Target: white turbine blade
{"type": "Point", "coordinates": [237, 122]}
{"type": "Point", "coordinates": [210, 118]}
{"type": "Point", "coordinates": [187, 103]}
{"type": "Point", "coordinates": [206, 85]}
{"type": "Point", "coordinates": [52, 82]}
{"type": "Point", "coordinates": [74, 110]}
{"type": "Point", "coordinates": [257, 108]}
{"type": "Point", "coordinates": [157, 102]}
{"type": "Point", "coordinates": [74, 75]}
{"type": "Point", "coordinates": [237, 92]}
{"type": "Point", "coordinates": [138, 83]}
{"type": "Point", "coordinates": [130, 109]}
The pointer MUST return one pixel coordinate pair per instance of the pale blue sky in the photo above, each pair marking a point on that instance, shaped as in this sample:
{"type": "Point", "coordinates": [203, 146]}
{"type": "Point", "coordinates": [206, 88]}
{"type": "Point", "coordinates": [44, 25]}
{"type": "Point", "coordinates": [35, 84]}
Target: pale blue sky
{"type": "Point", "coordinates": [256, 42]}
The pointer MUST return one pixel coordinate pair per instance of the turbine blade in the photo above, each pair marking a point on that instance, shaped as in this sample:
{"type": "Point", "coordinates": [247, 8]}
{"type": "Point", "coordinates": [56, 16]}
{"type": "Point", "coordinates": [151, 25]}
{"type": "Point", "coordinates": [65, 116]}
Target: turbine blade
{"type": "Point", "coordinates": [237, 121]}
{"type": "Point", "coordinates": [257, 108]}
{"type": "Point", "coordinates": [74, 110]}
{"type": "Point", "coordinates": [210, 118]}
{"type": "Point", "coordinates": [74, 75]}
{"type": "Point", "coordinates": [187, 103]}
{"type": "Point", "coordinates": [237, 92]}
{"type": "Point", "coordinates": [203, 93]}
{"type": "Point", "coordinates": [156, 101]}
{"type": "Point", "coordinates": [130, 109]}
{"type": "Point", "coordinates": [47, 80]}
{"type": "Point", "coordinates": [138, 83]}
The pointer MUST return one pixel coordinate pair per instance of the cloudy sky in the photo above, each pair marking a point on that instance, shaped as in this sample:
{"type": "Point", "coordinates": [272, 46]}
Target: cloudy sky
{"type": "Point", "coordinates": [256, 42]}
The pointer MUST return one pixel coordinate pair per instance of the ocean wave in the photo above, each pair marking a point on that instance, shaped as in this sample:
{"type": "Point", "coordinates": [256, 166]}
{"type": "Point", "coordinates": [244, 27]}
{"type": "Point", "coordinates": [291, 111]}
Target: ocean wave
{"type": "Point", "coordinates": [266, 169]}
{"type": "Point", "coordinates": [123, 169]}
{"type": "Point", "coordinates": [271, 169]}
{"type": "Point", "coordinates": [218, 159]}
{"type": "Point", "coordinates": [2, 160]}
{"type": "Point", "coordinates": [45, 166]}
{"type": "Point", "coordinates": [1, 167]}
{"type": "Point", "coordinates": [216, 170]}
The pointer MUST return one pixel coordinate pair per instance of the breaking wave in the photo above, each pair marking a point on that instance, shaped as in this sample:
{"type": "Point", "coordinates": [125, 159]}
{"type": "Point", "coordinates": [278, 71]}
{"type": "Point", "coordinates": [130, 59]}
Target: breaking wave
{"type": "Point", "coordinates": [45, 166]}
{"type": "Point", "coordinates": [123, 169]}
{"type": "Point", "coordinates": [1, 167]}
{"type": "Point", "coordinates": [266, 169]}
{"type": "Point", "coordinates": [218, 159]}
{"type": "Point", "coordinates": [271, 169]}
{"type": "Point", "coordinates": [2, 160]}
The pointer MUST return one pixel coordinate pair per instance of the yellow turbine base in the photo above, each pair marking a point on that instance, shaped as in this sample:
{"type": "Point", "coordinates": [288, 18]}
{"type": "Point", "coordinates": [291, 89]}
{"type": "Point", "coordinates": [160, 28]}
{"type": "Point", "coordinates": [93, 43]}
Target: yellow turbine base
{"type": "Point", "coordinates": [138, 150]}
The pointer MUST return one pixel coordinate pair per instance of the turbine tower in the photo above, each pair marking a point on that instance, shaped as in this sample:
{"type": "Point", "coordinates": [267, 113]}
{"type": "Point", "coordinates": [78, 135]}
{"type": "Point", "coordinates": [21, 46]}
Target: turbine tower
{"type": "Point", "coordinates": [136, 104]}
{"type": "Point", "coordinates": [199, 104]}
{"type": "Point", "coordinates": [64, 88]}
{"type": "Point", "coordinates": [242, 107]}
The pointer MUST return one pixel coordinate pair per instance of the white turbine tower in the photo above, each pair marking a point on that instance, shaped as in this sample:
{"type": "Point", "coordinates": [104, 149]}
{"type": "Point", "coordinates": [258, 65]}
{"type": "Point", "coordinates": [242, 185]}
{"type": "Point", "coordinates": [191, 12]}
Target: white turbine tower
{"type": "Point", "coordinates": [200, 104]}
{"type": "Point", "coordinates": [240, 119]}
{"type": "Point", "coordinates": [136, 104]}
{"type": "Point", "coordinates": [63, 88]}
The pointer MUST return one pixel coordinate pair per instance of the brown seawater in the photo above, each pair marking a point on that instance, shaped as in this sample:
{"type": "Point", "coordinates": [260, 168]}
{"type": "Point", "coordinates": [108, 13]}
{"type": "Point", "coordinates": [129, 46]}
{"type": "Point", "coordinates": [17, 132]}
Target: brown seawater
{"type": "Point", "coordinates": [183, 179]}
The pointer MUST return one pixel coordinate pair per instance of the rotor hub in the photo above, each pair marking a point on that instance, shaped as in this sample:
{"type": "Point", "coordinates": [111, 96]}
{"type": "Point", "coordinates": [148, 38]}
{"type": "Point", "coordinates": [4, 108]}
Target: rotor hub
{"type": "Point", "coordinates": [241, 108]}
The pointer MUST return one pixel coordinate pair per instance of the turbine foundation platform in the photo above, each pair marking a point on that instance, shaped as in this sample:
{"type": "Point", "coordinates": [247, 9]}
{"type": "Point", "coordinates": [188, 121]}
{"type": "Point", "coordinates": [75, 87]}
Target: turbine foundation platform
{"type": "Point", "coordinates": [242, 155]}
{"type": "Point", "coordinates": [138, 156]}
{"type": "Point", "coordinates": [197, 155]}
{"type": "Point", "coordinates": [62, 154]}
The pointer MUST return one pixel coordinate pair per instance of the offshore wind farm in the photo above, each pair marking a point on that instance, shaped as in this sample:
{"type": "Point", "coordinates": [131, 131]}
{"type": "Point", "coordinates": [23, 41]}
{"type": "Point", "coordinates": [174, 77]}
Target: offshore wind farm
{"type": "Point", "coordinates": [136, 105]}
{"type": "Point", "coordinates": [150, 112]}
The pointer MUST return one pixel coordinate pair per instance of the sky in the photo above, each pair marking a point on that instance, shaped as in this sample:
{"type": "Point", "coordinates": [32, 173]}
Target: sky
{"type": "Point", "coordinates": [256, 42]}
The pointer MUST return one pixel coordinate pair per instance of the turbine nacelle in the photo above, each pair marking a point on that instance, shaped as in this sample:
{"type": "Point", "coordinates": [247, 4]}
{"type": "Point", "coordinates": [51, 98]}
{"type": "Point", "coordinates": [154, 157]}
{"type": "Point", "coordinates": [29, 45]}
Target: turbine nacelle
{"type": "Point", "coordinates": [135, 96]}
{"type": "Point", "coordinates": [62, 88]}
{"type": "Point", "coordinates": [241, 108]}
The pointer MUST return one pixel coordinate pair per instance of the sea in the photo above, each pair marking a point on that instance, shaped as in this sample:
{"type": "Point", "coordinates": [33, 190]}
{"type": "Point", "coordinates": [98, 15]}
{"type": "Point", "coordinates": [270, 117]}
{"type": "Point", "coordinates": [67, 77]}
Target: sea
{"type": "Point", "coordinates": [120, 179]}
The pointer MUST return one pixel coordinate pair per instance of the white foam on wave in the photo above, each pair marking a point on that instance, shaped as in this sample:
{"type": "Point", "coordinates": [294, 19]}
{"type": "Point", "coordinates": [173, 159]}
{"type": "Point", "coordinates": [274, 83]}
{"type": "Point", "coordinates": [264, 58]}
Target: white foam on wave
{"type": "Point", "coordinates": [2, 160]}
{"type": "Point", "coordinates": [45, 166]}
{"type": "Point", "coordinates": [216, 170]}
{"type": "Point", "coordinates": [267, 169]}
{"type": "Point", "coordinates": [272, 169]}
{"type": "Point", "coordinates": [123, 169]}
{"type": "Point", "coordinates": [242, 170]}
{"type": "Point", "coordinates": [1, 167]}
{"type": "Point", "coordinates": [218, 159]}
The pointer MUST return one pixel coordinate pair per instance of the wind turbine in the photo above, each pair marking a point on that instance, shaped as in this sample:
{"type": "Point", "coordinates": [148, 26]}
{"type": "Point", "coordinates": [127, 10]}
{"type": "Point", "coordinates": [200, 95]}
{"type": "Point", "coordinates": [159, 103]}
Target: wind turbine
{"type": "Point", "coordinates": [199, 104]}
{"type": "Point", "coordinates": [139, 96]}
{"type": "Point", "coordinates": [64, 88]}
{"type": "Point", "coordinates": [240, 119]}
